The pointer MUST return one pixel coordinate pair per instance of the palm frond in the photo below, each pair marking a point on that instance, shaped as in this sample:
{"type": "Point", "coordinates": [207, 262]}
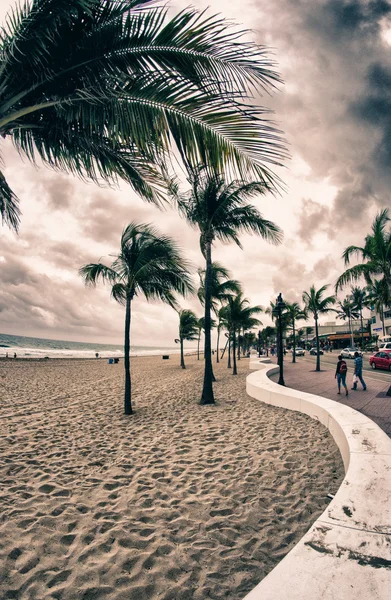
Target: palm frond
{"type": "Point", "coordinates": [9, 205]}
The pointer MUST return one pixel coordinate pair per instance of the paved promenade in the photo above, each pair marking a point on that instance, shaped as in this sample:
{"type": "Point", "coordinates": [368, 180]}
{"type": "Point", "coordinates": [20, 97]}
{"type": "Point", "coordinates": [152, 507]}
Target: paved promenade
{"type": "Point", "coordinates": [373, 403]}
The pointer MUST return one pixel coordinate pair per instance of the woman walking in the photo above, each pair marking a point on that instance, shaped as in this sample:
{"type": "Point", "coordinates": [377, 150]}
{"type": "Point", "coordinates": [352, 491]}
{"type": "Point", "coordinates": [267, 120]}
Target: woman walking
{"type": "Point", "coordinates": [340, 374]}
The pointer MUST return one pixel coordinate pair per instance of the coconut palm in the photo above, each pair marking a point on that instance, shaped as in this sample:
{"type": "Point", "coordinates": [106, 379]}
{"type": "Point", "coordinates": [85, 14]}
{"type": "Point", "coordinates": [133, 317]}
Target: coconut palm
{"type": "Point", "coordinates": [376, 298]}
{"type": "Point", "coordinates": [200, 329]}
{"type": "Point", "coordinates": [102, 88]}
{"type": "Point", "coordinates": [346, 311]}
{"type": "Point", "coordinates": [221, 288]}
{"type": "Point", "coordinates": [188, 330]}
{"type": "Point", "coordinates": [375, 256]}
{"type": "Point", "coordinates": [317, 305]}
{"type": "Point", "coordinates": [220, 212]}
{"type": "Point", "coordinates": [240, 314]}
{"type": "Point", "coordinates": [294, 313]}
{"type": "Point", "coordinates": [359, 299]}
{"type": "Point", "coordinates": [148, 264]}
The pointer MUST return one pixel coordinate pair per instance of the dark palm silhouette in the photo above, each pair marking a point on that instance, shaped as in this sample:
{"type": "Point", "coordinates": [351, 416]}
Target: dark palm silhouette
{"type": "Point", "coordinates": [375, 256]}
{"type": "Point", "coordinates": [221, 288]}
{"type": "Point", "coordinates": [188, 330]}
{"type": "Point", "coordinates": [149, 264]}
{"type": "Point", "coordinates": [239, 314]}
{"type": "Point", "coordinates": [102, 88]}
{"type": "Point", "coordinates": [359, 299]}
{"type": "Point", "coordinates": [377, 297]}
{"type": "Point", "coordinates": [295, 313]}
{"type": "Point", "coordinates": [220, 212]}
{"type": "Point", "coordinates": [317, 305]}
{"type": "Point", "coordinates": [346, 311]}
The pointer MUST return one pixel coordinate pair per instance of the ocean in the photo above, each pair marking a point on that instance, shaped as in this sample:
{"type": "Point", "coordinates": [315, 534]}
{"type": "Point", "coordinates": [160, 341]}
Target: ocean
{"type": "Point", "coordinates": [31, 347]}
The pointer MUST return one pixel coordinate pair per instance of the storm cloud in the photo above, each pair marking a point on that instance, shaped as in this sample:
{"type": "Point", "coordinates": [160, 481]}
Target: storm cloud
{"type": "Point", "coordinates": [335, 58]}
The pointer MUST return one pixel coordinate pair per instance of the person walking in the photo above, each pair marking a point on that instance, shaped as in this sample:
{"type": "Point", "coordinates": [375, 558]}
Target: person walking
{"type": "Point", "coordinates": [340, 374]}
{"type": "Point", "coordinates": [358, 372]}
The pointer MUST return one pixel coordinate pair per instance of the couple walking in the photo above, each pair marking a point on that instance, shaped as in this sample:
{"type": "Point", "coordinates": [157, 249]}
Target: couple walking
{"type": "Point", "coordinates": [342, 369]}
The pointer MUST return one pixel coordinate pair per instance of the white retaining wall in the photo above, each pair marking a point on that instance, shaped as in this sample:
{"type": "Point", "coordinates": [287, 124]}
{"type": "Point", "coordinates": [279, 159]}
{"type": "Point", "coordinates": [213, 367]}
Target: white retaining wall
{"type": "Point", "coordinates": [346, 554]}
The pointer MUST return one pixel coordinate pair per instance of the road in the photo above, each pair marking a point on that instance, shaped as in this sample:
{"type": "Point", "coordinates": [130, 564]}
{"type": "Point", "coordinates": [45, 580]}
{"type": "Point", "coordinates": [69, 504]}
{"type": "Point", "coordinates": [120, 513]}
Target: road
{"type": "Point", "coordinates": [331, 359]}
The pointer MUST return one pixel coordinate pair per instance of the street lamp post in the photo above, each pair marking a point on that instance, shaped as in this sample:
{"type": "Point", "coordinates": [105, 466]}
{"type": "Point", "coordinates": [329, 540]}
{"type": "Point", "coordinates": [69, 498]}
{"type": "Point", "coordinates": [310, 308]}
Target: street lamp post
{"type": "Point", "coordinates": [259, 344]}
{"type": "Point", "coordinates": [279, 307]}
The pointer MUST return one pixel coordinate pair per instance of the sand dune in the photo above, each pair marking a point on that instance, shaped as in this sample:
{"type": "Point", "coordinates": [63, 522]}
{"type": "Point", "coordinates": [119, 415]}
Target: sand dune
{"type": "Point", "coordinates": [176, 502]}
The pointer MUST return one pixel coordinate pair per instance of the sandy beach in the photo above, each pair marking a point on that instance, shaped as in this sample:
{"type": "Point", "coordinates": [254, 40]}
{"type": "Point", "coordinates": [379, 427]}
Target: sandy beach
{"type": "Point", "coordinates": [177, 502]}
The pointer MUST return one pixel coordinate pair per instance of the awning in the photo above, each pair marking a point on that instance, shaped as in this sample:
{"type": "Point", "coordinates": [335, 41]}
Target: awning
{"type": "Point", "coordinates": [346, 336]}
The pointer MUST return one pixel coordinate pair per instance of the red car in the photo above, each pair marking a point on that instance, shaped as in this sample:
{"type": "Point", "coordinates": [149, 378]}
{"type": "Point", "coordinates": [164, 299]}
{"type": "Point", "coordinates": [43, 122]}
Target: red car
{"type": "Point", "coordinates": [381, 360]}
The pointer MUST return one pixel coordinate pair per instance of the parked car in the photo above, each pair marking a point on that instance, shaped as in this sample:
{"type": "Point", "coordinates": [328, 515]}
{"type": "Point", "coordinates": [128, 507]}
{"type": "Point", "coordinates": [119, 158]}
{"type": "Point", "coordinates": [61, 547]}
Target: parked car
{"type": "Point", "coordinates": [313, 351]}
{"type": "Point", "coordinates": [385, 346]}
{"type": "Point", "coordinates": [381, 360]}
{"type": "Point", "coordinates": [299, 352]}
{"type": "Point", "coordinates": [349, 352]}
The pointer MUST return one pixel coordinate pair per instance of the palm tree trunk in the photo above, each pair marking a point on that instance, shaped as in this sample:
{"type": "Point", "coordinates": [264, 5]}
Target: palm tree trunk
{"type": "Point", "coordinates": [217, 348]}
{"type": "Point", "coordinates": [207, 391]}
{"type": "Point", "coordinates": [382, 320]}
{"type": "Point", "coordinates": [317, 345]}
{"type": "Point", "coordinates": [128, 381]}
{"type": "Point", "coordinates": [182, 356]}
{"type": "Point", "coordinates": [362, 333]}
{"type": "Point", "coordinates": [294, 342]}
{"type": "Point", "coordinates": [225, 347]}
{"type": "Point", "coordinates": [235, 371]}
{"type": "Point", "coordinates": [229, 352]}
{"type": "Point", "coordinates": [238, 344]}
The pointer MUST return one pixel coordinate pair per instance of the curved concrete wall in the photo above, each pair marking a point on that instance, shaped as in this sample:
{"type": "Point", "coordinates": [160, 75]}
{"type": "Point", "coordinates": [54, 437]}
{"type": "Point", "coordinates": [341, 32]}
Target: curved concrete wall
{"type": "Point", "coordinates": [346, 554]}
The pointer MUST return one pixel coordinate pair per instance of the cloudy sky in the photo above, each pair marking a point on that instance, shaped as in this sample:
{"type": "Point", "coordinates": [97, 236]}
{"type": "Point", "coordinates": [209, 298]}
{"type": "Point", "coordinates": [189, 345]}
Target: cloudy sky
{"type": "Point", "coordinates": [335, 109]}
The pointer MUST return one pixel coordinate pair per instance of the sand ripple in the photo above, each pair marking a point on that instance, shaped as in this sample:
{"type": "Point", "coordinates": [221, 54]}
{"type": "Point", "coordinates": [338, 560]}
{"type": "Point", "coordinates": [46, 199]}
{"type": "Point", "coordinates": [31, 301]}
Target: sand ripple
{"type": "Point", "coordinates": [177, 502]}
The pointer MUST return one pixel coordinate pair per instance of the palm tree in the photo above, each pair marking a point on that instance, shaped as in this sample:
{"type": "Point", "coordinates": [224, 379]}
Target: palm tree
{"type": "Point", "coordinates": [346, 310]}
{"type": "Point", "coordinates": [221, 288]}
{"type": "Point", "coordinates": [101, 88]}
{"type": "Point", "coordinates": [316, 304]}
{"type": "Point", "coordinates": [376, 298]}
{"type": "Point", "coordinates": [240, 314]}
{"type": "Point", "coordinates": [148, 263]}
{"type": "Point", "coordinates": [267, 333]}
{"type": "Point", "coordinates": [294, 313]}
{"type": "Point", "coordinates": [359, 299]}
{"type": "Point", "coordinates": [188, 330]}
{"type": "Point", "coordinates": [376, 257]}
{"type": "Point", "coordinates": [219, 211]}
{"type": "Point", "coordinates": [200, 328]}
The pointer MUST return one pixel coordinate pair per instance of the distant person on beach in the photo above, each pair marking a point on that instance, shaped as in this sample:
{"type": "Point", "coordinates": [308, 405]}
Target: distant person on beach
{"type": "Point", "coordinates": [96, 354]}
{"type": "Point", "coordinates": [14, 354]}
{"type": "Point", "coordinates": [340, 374]}
{"type": "Point", "coordinates": [6, 354]}
{"type": "Point", "coordinates": [358, 372]}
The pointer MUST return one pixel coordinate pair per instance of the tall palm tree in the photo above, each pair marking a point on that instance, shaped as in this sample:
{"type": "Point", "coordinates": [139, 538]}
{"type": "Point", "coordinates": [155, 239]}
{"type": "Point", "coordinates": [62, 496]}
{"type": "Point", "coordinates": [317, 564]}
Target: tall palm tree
{"type": "Point", "coordinates": [376, 298]}
{"type": "Point", "coordinates": [317, 305]}
{"type": "Point", "coordinates": [220, 212]}
{"type": "Point", "coordinates": [149, 264]}
{"type": "Point", "coordinates": [240, 314]}
{"type": "Point", "coordinates": [346, 311]}
{"type": "Point", "coordinates": [200, 328]}
{"type": "Point", "coordinates": [375, 256]}
{"type": "Point", "coordinates": [221, 288]}
{"type": "Point", "coordinates": [101, 88]}
{"type": "Point", "coordinates": [359, 299]}
{"type": "Point", "coordinates": [188, 330]}
{"type": "Point", "coordinates": [294, 313]}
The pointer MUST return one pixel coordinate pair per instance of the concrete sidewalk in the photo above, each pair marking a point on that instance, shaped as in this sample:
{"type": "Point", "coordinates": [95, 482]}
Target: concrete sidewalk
{"type": "Point", "coordinates": [373, 403]}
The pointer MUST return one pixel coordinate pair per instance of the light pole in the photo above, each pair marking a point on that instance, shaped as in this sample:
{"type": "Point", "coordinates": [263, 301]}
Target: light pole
{"type": "Point", "coordinates": [279, 307]}
{"type": "Point", "coordinates": [259, 343]}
